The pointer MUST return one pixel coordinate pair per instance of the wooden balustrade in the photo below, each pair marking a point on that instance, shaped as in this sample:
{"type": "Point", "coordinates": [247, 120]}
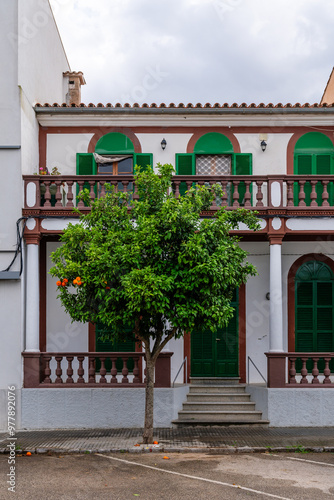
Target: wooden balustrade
{"type": "Point", "coordinates": [54, 369]}
{"type": "Point", "coordinates": [48, 192]}
{"type": "Point", "coordinates": [282, 369]}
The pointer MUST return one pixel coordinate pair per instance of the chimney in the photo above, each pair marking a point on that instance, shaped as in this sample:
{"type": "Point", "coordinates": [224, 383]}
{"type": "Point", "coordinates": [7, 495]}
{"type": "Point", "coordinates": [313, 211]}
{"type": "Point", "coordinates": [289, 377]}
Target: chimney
{"type": "Point", "coordinates": [75, 80]}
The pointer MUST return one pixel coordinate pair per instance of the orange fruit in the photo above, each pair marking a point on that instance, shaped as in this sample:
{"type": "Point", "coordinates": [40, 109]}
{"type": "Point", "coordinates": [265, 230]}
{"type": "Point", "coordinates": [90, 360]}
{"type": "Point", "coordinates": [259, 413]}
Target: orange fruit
{"type": "Point", "coordinates": [58, 283]}
{"type": "Point", "coordinates": [155, 442]}
{"type": "Point", "coordinates": [28, 454]}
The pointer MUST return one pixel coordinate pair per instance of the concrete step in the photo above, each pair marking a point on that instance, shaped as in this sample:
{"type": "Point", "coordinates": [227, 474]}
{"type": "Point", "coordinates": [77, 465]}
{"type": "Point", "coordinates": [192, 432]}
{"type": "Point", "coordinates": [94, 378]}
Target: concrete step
{"type": "Point", "coordinates": [213, 407]}
{"type": "Point", "coordinates": [220, 416]}
{"type": "Point", "coordinates": [206, 423]}
{"type": "Point", "coordinates": [214, 380]}
{"type": "Point", "coordinates": [217, 397]}
{"type": "Point", "coordinates": [210, 389]}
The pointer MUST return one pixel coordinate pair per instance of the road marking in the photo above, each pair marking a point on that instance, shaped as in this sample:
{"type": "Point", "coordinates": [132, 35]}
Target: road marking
{"type": "Point", "coordinates": [194, 477]}
{"type": "Point", "coordinates": [304, 460]}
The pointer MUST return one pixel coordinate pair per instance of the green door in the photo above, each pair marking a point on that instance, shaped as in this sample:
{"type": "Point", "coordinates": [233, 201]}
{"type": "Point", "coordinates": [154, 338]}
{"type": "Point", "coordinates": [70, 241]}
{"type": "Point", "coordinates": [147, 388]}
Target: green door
{"type": "Point", "coordinates": [314, 314]}
{"type": "Point", "coordinates": [216, 354]}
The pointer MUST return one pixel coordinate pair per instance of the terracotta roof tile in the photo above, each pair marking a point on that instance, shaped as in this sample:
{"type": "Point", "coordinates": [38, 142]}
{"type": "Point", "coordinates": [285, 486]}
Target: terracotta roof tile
{"type": "Point", "coordinates": [181, 105]}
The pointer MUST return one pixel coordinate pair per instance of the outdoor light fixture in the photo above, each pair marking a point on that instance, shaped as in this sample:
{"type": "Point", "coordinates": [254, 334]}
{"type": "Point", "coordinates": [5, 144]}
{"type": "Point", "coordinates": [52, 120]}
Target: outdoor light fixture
{"type": "Point", "coordinates": [163, 144]}
{"type": "Point", "coordinates": [263, 145]}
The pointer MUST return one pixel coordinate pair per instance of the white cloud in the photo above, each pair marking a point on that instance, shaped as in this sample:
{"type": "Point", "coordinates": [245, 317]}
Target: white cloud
{"type": "Point", "coordinates": [208, 50]}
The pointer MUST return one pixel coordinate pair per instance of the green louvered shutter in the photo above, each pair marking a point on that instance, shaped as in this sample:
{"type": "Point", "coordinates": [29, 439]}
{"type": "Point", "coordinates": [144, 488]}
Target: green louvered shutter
{"type": "Point", "coordinates": [324, 166]}
{"type": "Point", "coordinates": [144, 161]}
{"type": "Point", "coordinates": [185, 165]}
{"type": "Point", "coordinates": [86, 166]}
{"type": "Point", "coordinates": [121, 345]}
{"type": "Point", "coordinates": [242, 165]}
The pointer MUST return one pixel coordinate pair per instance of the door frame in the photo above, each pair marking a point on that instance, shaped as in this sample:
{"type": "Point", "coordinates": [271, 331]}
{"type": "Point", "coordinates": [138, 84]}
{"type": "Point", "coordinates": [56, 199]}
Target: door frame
{"type": "Point", "coordinates": [291, 291]}
{"type": "Point", "coordinates": [242, 339]}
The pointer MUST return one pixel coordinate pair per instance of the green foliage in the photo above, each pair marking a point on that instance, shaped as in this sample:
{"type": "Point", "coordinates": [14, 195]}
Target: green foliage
{"type": "Point", "coordinates": [157, 266]}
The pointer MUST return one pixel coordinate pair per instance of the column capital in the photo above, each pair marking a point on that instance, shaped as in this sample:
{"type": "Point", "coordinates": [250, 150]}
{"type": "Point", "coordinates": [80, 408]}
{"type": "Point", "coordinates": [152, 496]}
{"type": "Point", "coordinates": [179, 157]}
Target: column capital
{"type": "Point", "coordinates": [32, 239]}
{"type": "Point", "coordinates": [275, 239]}
{"type": "Point", "coordinates": [32, 234]}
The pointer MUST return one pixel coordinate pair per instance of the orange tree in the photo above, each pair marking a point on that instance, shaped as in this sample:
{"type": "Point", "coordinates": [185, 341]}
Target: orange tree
{"type": "Point", "coordinates": [158, 266]}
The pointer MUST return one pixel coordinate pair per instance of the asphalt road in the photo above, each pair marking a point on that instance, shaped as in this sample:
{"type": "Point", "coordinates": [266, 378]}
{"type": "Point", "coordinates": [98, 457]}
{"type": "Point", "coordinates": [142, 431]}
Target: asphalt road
{"type": "Point", "coordinates": [192, 476]}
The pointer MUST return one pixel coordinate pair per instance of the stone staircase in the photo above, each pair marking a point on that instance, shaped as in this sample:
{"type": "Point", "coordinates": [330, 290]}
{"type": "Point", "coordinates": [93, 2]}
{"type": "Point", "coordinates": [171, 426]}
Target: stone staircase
{"type": "Point", "coordinates": [218, 401]}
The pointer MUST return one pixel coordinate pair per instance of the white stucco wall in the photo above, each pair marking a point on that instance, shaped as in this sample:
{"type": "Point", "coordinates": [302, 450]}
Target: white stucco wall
{"type": "Point", "coordinates": [176, 143]}
{"type": "Point", "coordinates": [42, 59]}
{"type": "Point", "coordinates": [62, 149]}
{"type": "Point", "coordinates": [62, 334]}
{"type": "Point", "coordinates": [273, 159]}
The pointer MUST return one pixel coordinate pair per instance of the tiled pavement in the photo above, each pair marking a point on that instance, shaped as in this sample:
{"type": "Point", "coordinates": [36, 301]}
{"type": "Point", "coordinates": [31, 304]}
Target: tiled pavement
{"type": "Point", "coordinates": [213, 439]}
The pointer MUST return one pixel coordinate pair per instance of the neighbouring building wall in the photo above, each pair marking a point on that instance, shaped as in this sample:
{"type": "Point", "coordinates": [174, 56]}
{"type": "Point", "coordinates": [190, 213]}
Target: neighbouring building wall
{"type": "Point", "coordinates": [42, 59]}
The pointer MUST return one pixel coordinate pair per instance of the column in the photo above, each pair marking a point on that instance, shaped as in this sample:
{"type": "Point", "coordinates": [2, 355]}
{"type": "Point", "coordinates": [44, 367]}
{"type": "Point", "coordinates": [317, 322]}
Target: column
{"type": "Point", "coordinates": [32, 295]}
{"type": "Point", "coordinates": [276, 300]}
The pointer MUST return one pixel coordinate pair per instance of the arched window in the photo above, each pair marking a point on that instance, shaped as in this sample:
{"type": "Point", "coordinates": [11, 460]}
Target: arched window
{"type": "Point", "coordinates": [114, 154]}
{"type": "Point", "coordinates": [214, 155]}
{"type": "Point", "coordinates": [314, 308]}
{"type": "Point", "coordinates": [314, 155]}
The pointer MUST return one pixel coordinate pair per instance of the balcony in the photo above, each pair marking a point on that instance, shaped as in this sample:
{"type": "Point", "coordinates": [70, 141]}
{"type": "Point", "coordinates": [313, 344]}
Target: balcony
{"type": "Point", "coordinates": [268, 194]}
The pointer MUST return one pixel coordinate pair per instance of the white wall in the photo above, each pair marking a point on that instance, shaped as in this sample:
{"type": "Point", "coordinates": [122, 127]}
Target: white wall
{"type": "Point", "coordinates": [273, 159]}
{"type": "Point", "coordinates": [176, 143]}
{"type": "Point", "coordinates": [62, 148]}
{"type": "Point", "coordinates": [42, 59]}
{"type": "Point", "coordinates": [62, 334]}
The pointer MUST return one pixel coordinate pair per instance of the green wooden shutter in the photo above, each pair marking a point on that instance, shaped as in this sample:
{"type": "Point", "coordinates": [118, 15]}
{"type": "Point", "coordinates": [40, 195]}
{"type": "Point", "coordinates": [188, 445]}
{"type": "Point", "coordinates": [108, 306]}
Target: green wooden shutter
{"type": "Point", "coordinates": [185, 165]}
{"type": "Point", "coordinates": [202, 354]}
{"type": "Point", "coordinates": [86, 165]}
{"type": "Point", "coordinates": [143, 160]}
{"type": "Point", "coordinates": [120, 345]}
{"type": "Point", "coordinates": [242, 165]}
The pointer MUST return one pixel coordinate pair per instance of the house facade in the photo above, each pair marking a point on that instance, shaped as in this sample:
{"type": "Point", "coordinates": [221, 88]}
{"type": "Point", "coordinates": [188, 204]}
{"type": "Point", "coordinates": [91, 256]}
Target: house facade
{"type": "Point", "coordinates": [275, 159]}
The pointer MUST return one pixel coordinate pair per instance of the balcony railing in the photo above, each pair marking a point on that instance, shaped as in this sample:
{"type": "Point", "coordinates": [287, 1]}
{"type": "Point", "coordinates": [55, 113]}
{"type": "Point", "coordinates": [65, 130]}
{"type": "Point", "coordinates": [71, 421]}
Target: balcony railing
{"type": "Point", "coordinates": [290, 192]}
{"type": "Point", "coordinates": [92, 369]}
{"type": "Point", "coordinates": [313, 369]}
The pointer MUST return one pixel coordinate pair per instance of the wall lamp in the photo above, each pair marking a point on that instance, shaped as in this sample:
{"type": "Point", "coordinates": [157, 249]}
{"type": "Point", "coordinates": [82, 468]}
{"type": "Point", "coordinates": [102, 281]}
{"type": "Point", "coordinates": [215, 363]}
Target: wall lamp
{"type": "Point", "coordinates": [263, 145]}
{"type": "Point", "coordinates": [163, 144]}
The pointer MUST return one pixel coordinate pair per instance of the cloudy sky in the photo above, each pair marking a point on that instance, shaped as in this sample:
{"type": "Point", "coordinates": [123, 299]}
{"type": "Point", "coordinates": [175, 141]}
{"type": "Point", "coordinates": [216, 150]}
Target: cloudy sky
{"type": "Point", "coordinates": [199, 50]}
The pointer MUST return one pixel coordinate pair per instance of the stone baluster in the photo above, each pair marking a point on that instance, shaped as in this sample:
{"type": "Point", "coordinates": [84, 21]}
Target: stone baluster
{"type": "Point", "coordinates": [81, 370]}
{"type": "Point", "coordinates": [58, 194]}
{"type": "Point", "coordinates": [292, 371]}
{"type": "Point", "coordinates": [103, 370]}
{"type": "Point", "coordinates": [136, 378]}
{"type": "Point", "coordinates": [125, 370]}
{"type": "Point", "coordinates": [92, 191]}
{"type": "Point", "coordinates": [327, 371]}
{"type": "Point", "coordinates": [303, 371]}
{"type": "Point", "coordinates": [289, 195]}
{"type": "Point", "coordinates": [248, 195]}
{"type": "Point", "coordinates": [91, 370]}
{"type": "Point", "coordinates": [81, 186]}
{"type": "Point", "coordinates": [313, 195]}
{"type": "Point", "coordinates": [59, 371]}
{"type": "Point", "coordinates": [69, 203]}
{"type": "Point", "coordinates": [225, 194]}
{"type": "Point", "coordinates": [315, 371]}
{"type": "Point", "coordinates": [325, 194]}
{"type": "Point", "coordinates": [259, 194]}
{"type": "Point", "coordinates": [135, 192]}
{"type": "Point", "coordinates": [47, 371]}
{"type": "Point", "coordinates": [47, 195]}
{"type": "Point", "coordinates": [301, 195]}
{"type": "Point", "coordinates": [177, 188]}
{"type": "Point", "coordinates": [235, 194]}
{"type": "Point", "coordinates": [113, 371]}
{"type": "Point", "coordinates": [69, 370]}
{"type": "Point", "coordinates": [103, 189]}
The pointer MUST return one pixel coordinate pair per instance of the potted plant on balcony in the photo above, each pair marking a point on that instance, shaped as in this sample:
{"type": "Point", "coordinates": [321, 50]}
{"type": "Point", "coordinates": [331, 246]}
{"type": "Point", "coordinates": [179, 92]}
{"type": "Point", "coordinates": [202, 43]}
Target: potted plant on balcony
{"type": "Point", "coordinates": [53, 187]}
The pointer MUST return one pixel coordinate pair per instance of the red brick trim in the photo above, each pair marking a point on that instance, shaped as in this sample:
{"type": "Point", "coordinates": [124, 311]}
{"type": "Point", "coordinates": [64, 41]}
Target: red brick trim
{"type": "Point", "coordinates": [291, 291]}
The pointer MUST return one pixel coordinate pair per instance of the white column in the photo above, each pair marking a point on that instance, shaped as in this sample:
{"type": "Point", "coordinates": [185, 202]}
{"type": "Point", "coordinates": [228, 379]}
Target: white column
{"type": "Point", "coordinates": [276, 301]}
{"type": "Point", "coordinates": [32, 298]}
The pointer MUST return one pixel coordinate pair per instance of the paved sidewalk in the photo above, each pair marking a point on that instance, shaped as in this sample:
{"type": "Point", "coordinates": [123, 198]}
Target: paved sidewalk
{"type": "Point", "coordinates": [212, 439]}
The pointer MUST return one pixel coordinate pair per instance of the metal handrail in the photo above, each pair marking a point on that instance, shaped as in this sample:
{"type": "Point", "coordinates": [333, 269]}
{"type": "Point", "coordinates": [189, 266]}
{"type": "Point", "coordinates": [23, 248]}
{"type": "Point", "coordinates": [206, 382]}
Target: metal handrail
{"type": "Point", "coordinates": [183, 362]}
{"type": "Point", "coordinates": [249, 359]}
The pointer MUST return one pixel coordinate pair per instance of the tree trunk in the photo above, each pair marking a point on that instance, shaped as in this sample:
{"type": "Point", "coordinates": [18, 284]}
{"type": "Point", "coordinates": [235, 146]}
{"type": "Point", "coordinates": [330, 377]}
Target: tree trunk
{"type": "Point", "coordinates": [149, 395]}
